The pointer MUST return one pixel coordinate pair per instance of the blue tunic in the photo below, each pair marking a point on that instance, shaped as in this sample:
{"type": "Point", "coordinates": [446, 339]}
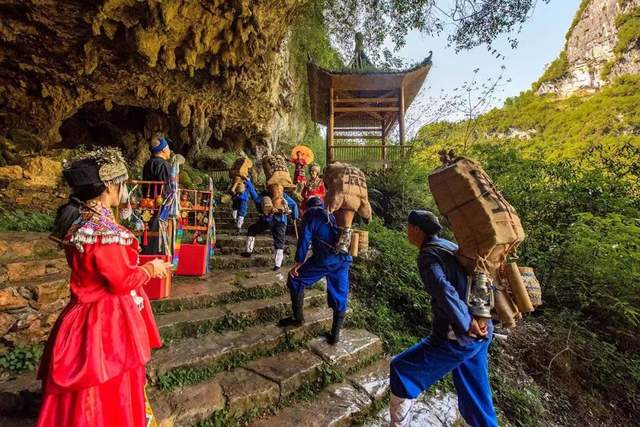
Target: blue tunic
{"type": "Point", "coordinates": [320, 230]}
{"type": "Point", "coordinates": [281, 217]}
{"type": "Point", "coordinates": [241, 203]}
{"type": "Point", "coordinates": [420, 366]}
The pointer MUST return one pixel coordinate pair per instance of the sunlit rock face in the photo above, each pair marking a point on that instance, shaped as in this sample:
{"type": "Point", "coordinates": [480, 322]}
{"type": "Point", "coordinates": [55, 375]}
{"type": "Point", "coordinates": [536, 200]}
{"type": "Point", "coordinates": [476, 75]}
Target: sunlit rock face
{"type": "Point", "coordinates": [590, 46]}
{"type": "Point", "coordinates": [207, 72]}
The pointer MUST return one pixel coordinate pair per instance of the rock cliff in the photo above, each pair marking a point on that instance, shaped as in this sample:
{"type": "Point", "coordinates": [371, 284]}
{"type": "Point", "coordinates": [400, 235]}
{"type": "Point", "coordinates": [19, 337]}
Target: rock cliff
{"type": "Point", "coordinates": [601, 44]}
{"type": "Point", "coordinates": [208, 72]}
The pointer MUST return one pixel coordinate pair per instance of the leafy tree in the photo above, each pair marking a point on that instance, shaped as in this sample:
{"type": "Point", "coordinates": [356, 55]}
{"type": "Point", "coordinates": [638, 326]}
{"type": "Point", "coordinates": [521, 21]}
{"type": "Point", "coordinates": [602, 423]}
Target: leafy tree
{"type": "Point", "coordinates": [475, 22]}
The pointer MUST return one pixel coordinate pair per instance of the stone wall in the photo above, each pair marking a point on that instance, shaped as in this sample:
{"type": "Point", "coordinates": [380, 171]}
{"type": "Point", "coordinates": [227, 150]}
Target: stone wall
{"type": "Point", "coordinates": [34, 287]}
{"type": "Point", "coordinates": [590, 47]}
{"type": "Point", "coordinates": [34, 187]}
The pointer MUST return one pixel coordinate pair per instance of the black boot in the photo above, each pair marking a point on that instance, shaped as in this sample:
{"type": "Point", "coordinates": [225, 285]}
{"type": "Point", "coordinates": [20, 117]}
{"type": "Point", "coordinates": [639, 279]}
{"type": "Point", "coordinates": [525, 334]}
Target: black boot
{"type": "Point", "coordinates": [338, 320]}
{"type": "Point", "coordinates": [297, 306]}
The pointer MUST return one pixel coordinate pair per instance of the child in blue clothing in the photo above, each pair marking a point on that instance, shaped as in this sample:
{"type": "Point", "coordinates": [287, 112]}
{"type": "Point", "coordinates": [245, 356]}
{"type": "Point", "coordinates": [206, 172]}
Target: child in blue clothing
{"type": "Point", "coordinates": [240, 205]}
{"type": "Point", "coordinates": [276, 222]}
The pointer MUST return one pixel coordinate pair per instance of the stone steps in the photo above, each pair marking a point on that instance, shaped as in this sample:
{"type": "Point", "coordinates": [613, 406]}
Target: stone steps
{"type": "Point", "coordinates": [337, 404]}
{"type": "Point", "coordinates": [235, 261]}
{"type": "Point", "coordinates": [211, 349]}
{"type": "Point", "coordinates": [191, 292]}
{"type": "Point", "coordinates": [197, 322]}
{"type": "Point", "coordinates": [263, 382]}
{"type": "Point", "coordinates": [224, 240]}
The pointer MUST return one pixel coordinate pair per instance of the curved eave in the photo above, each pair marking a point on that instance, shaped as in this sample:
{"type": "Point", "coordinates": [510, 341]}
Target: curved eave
{"type": "Point", "coordinates": [321, 80]}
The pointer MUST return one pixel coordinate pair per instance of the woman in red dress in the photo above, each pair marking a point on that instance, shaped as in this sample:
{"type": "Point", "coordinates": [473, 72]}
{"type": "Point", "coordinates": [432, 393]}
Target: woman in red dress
{"type": "Point", "coordinates": [93, 369]}
{"type": "Point", "coordinates": [314, 187]}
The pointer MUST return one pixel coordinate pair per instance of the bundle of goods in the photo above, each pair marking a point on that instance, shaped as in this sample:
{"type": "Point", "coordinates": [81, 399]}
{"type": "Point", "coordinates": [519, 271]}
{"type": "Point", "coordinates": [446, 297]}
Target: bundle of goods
{"type": "Point", "coordinates": [238, 173]}
{"type": "Point", "coordinates": [359, 242]}
{"type": "Point", "coordinates": [278, 177]}
{"type": "Point", "coordinates": [488, 231]}
{"type": "Point", "coordinates": [346, 194]}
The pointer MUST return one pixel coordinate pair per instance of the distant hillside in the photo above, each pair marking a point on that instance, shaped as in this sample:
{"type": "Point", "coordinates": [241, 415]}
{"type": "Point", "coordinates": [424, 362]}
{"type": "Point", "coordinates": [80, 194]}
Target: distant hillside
{"type": "Point", "coordinates": [555, 127]}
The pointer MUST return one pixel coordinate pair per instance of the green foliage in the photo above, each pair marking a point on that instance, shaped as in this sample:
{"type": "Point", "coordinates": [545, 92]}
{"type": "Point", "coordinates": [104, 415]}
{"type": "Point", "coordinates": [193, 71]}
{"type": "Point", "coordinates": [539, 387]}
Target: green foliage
{"type": "Point", "coordinates": [628, 26]}
{"type": "Point", "coordinates": [310, 39]}
{"type": "Point", "coordinates": [555, 71]}
{"type": "Point", "coordinates": [557, 128]}
{"type": "Point", "coordinates": [19, 220]}
{"type": "Point", "coordinates": [600, 271]}
{"type": "Point", "coordinates": [21, 359]}
{"type": "Point", "coordinates": [390, 298]}
{"type": "Point", "coordinates": [394, 192]}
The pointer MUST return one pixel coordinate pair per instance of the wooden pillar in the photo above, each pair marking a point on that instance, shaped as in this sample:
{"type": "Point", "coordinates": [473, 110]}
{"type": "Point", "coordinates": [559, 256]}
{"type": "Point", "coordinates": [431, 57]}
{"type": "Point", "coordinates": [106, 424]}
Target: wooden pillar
{"type": "Point", "coordinates": [383, 137]}
{"type": "Point", "coordinates": [401, 116]}
{"type": "Point", "coordinates": [330, 126]}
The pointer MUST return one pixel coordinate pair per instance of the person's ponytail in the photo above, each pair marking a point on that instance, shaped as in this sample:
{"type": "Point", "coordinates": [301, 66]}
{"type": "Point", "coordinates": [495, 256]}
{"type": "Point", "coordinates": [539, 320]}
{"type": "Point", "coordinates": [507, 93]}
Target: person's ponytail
{"type": "Point", "coordinates": [66, 215]}
{"type": "Point", "coordinates": [69, 213]}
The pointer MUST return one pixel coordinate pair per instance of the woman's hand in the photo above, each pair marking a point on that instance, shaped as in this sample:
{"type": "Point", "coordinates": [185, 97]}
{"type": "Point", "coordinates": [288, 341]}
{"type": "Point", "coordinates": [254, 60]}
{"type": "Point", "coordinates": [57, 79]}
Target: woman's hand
{"type": "Point", "coordinates": [157, 268]}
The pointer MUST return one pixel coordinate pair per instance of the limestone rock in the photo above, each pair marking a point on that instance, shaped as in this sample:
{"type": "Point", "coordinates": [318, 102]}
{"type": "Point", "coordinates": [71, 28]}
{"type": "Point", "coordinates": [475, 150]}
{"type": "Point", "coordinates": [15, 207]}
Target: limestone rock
{"type": "Point", "coordinates": [10, 299]}
{"type": "Point", "coordinates": [193, 62]}
{"type": "Point", "coordinates": [6, 322]}
{"type": "Point", "coordinates": [43, 172]}
{"type": "Point", "coordinates": [590, 48]}
{"type": "Point", "coordinates": [11, 172]}
{"type": "Point", "coordinates": [51, 292]}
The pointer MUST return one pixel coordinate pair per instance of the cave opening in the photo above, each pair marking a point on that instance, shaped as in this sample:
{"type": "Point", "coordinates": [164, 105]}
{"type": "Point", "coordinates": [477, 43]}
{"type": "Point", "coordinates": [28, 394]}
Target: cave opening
{"type": "Point", "coordinates": [127, 127]}
{"type": "Point", "coordinates": [94, 126]}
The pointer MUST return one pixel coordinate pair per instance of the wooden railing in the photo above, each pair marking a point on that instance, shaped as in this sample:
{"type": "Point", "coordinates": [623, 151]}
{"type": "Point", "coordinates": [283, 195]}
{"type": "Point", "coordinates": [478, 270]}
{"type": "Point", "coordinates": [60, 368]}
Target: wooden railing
{"type": "Point", "coordinates": [220, 177]}
{"type": "Point", "coordinates": [371, 154]}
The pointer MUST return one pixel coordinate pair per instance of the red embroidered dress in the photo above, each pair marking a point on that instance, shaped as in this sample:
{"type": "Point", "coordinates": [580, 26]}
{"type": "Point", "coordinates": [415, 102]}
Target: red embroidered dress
{"type": "Point", "coordinates": [93, 369]}
{"type": "Point", "coordinates": [313, 188]}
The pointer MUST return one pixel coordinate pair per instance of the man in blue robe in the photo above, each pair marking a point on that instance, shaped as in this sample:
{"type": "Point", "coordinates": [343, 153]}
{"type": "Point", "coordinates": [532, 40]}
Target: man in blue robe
{"type": "Point", "coordinates": [458, 342]}
{"type": "Point", "coordinates": [276, 222]}
{"type": "Point", "coordinates": [319, 229]}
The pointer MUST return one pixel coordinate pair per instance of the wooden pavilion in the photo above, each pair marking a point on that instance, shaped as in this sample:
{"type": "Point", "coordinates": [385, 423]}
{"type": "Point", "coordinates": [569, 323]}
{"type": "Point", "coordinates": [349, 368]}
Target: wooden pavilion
{"type": "Point", "coordinates": [361, 106]}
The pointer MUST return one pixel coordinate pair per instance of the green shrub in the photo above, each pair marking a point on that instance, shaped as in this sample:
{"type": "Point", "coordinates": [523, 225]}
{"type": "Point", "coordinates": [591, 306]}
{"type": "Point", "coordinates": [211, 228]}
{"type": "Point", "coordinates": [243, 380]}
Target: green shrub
{"type": "Point", "coordinates": [21, 359]}
{"type": "Point", "coordinates": [394, 192]}
{"type": "Point", "coordinates": [555, 71]}
{"type": "Point", "coordinates": [598, 271]}
{"type": "Point", "coordinates": [391, 299]}
{"type": "Point", "coordinates": [20, 220]}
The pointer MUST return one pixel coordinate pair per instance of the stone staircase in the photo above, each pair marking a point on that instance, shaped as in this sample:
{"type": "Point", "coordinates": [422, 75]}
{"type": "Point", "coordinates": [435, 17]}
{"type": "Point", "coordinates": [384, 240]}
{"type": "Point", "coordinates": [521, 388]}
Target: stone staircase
{"type": "Point", "coordinates": [225, 362]}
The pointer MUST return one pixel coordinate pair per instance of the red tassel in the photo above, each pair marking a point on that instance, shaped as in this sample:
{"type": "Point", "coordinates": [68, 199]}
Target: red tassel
{"type": "Point", "coordinates": [145, 237]}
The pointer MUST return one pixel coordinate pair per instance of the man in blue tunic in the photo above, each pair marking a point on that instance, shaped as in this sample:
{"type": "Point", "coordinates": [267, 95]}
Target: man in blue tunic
{"type": "Point", "coordinates": [276, 222]}
{"type": "Point", "coordinates": [320, 230]}
{"type": "Point", "coordinates": [458, 342]}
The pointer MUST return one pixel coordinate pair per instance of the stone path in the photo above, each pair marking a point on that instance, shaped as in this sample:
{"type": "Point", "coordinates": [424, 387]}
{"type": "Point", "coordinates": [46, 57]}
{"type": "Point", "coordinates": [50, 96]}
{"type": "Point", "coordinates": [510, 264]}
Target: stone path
{"type": "Point", "coordinates": [439, 410]}
{"type": "Point", "coordinates": [226, 362]}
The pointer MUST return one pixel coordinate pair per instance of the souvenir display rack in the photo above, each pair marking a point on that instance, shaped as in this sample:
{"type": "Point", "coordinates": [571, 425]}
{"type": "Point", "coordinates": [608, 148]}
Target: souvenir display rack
{"type": "Point", "coordinates": [196, 213]}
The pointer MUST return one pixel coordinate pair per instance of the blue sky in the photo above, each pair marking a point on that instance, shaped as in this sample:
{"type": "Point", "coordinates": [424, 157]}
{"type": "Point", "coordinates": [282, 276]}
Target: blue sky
{"type": "Point", "coordinates": [540, 42]}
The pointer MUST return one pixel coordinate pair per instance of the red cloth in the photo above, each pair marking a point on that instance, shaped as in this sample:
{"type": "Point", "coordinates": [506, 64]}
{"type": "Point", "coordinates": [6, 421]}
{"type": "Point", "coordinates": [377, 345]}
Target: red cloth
{"type": "Point", "coordinates": [298, 174]}
{"type": "Point", "coordinates": [93, 366]}
{"type": "Point", "coordinates": [310, 190]}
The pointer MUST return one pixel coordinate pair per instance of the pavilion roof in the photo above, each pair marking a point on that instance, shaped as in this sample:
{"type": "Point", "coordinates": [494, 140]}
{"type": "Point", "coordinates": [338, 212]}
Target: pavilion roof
{"type": "Point", "coordinates": [357, 83]}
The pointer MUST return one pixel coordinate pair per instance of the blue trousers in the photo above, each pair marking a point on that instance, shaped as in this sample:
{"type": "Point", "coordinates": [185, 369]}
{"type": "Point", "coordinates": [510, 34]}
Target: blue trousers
{"type": "Point", "coordinates": [420, 366]}
{"type": "Point", "coordinates": [337, 282]}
